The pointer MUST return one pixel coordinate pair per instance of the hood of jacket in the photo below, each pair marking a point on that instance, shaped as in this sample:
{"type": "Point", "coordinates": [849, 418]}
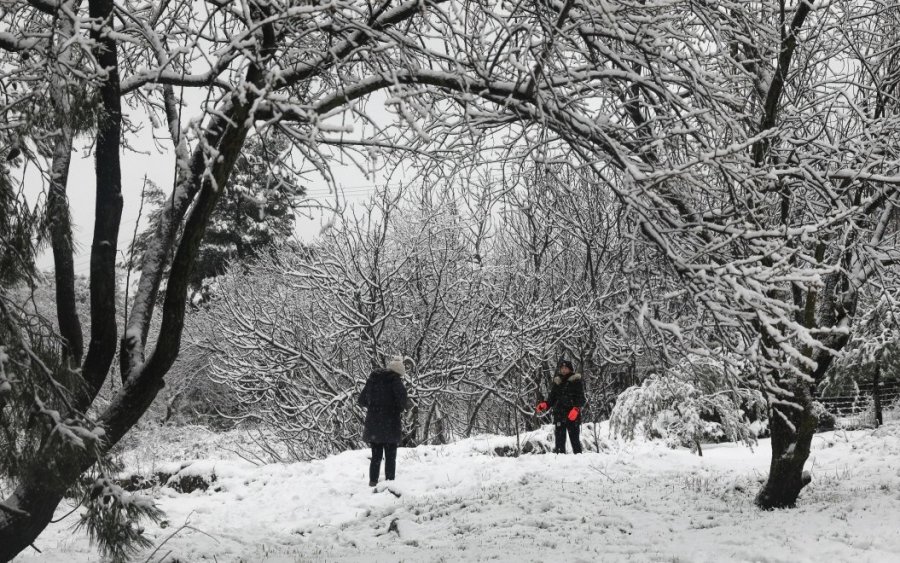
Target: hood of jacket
{"type": "Point", "coordinates": [383, 372]}
{"type": "Point", "coordinates": [559, 379]}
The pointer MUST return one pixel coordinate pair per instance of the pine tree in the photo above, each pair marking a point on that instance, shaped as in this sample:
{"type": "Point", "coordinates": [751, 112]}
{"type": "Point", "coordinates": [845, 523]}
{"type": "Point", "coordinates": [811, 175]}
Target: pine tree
{"type": "Point", "coordinates": [256, 211]}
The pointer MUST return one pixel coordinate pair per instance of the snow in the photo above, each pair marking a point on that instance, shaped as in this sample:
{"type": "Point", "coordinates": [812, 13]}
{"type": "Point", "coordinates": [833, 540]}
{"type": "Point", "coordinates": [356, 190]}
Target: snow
{"type": "Point", "coordinates": [634, 501]}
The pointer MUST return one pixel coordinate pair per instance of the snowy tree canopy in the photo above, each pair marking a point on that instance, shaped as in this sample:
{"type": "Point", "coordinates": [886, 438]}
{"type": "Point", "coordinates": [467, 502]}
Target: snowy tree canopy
{"type": "Point", "coordinates": [753, 146]}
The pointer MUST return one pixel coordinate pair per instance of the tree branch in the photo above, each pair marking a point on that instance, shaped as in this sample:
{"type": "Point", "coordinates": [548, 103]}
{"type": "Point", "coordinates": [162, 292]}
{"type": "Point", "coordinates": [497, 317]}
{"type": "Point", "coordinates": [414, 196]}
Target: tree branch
{"type": "Point", "coordinates": [776, 88]}
{"type": "Point", "coordinates": [108, 207]}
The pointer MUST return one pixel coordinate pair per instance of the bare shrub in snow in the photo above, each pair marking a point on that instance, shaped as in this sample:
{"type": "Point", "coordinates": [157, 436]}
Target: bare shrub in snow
{"type": "Point", "coordinates": [481, 323]}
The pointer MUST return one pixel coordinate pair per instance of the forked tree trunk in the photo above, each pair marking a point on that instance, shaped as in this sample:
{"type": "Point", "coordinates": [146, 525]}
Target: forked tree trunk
{"type": "Point", "coordinates": [792, 431]}
{"type": "Point", "coordinates": [31, 506]}
{"type": "Point", "coordinates": [28, 510]}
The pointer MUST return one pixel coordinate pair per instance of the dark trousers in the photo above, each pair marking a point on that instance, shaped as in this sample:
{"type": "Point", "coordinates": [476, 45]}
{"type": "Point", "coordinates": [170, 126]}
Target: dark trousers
{"type": "Point", "coordinates": [389, 453]}
{"type": "Point", "coordinates": [560, 429]}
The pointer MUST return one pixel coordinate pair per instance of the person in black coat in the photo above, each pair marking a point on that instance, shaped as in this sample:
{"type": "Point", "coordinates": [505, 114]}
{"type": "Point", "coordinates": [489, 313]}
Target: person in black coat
{"type": "Point", "coordinates": [384, 398]}
{"type": "Point", "coordinates": [566, 399]}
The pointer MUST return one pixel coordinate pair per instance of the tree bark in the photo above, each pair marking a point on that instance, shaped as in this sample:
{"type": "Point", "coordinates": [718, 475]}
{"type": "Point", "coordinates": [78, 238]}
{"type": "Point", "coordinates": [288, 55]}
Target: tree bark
{"type": "Point", "coordinates": [107, 209]}
{"type": "Point", "coordinates": [61, 242]}
{"type": "Point", "coordinates": [792, 427]}
{"type": "Point", "coordinates": [44, 484]}
{"type": "Point", "coordinates": [58, 216]}
{"type": "Point", "coordinates": [17, 532]}
{"type": "Point", "coordinates": [876, 393]}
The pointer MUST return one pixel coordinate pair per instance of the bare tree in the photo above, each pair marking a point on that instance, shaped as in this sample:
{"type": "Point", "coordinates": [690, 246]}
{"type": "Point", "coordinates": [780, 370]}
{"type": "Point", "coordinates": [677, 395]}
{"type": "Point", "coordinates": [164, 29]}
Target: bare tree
{"type": "Point", "coordinates": [298, 332]}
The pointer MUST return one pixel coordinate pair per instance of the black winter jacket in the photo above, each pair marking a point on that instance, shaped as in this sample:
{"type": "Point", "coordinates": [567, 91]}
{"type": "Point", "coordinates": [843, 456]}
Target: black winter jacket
{"type": "Point", "coordinates": [566, 393]}
{"type": "Point", "coordinates": [384, 397]}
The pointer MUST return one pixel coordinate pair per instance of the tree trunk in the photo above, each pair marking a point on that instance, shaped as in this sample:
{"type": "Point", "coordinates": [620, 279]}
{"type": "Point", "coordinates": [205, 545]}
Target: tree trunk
{"type": "Point", "coordinates": [55, 469]}
{"type": "Point", "coordinates": [792, 430]}
{"type": "Point", "coordinates": [411, 438]}
{"type": "Point", "coordinates": [107, 207]}
{"type": "Point", "coordinates": [876, 394]}
{"type": "Point", "coordinates": [18, 531]}
{"type": "Point", "coordinates": [440, 428]}
{"type": "Point", "coordinates": [29, 509]}
{"type": "Point", "coordinates": [533, 422]}
{"type": "Point", "coordinates": [61, 241]}
{"type": "Point", "coordinates": [426, 427]}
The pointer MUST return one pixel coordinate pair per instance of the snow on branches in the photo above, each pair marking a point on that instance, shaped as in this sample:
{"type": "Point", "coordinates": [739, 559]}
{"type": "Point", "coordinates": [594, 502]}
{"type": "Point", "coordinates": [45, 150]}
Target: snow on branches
{"type": "Point", "coordinates": [480, 310]}
{"type": "Point", "coordinates": [698, 400]}
{"type": "Point", "coordinates": [111, 519]}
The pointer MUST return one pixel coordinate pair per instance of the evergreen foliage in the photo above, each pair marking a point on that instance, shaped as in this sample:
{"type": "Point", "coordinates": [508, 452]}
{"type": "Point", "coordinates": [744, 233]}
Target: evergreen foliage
{"type": "Point", "coordinates": [257, 210]}
{"type": "Point", "coordinates": [111, 517]}
{"type": "Point", "coordinates": [21, 231]}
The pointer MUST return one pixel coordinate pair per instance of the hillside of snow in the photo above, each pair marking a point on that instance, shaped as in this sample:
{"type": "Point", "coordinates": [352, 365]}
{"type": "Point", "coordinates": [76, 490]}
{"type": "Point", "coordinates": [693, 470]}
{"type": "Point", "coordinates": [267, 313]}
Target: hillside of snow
{"type": "Point", "coordinates": [639, 501]}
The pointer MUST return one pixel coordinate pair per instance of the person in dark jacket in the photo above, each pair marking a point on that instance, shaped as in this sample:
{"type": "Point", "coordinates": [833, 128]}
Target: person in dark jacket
{"type": "Point", "coordinates": [566, 399]}
{"type": "Point", "coordinates": [384, 398]}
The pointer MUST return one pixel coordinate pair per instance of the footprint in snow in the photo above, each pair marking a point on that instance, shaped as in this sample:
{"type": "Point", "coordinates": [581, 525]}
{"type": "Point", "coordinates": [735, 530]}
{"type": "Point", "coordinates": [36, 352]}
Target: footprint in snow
{"type": "Point", "coordinates": [389, 487]}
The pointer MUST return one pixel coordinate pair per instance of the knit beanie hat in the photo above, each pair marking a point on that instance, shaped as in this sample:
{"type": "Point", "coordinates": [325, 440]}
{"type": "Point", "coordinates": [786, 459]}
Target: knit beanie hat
{"type": "Point", "coordinates": [396, 365]}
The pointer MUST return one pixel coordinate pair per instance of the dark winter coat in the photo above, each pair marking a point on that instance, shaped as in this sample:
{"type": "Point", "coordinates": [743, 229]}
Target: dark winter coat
{"type": "Point", "coordinates": [384, 397]}
{"type": "Point", "coordinates": [565, 393]}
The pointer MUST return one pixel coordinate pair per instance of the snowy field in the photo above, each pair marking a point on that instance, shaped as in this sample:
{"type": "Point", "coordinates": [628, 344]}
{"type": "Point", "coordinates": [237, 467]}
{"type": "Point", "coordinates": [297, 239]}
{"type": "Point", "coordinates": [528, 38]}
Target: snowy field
{"type": "Point", "coordinates": [629, 502]}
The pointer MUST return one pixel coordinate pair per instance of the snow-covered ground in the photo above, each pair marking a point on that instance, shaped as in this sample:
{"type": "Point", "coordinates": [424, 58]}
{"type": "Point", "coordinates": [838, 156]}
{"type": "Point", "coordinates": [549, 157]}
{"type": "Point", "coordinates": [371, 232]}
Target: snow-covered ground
{"type": "Point", "coordinates": [630, 502]}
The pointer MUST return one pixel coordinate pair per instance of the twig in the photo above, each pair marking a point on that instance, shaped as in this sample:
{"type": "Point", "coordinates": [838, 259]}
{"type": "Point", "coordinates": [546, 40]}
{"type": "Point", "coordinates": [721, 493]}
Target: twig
{"type": "Point", "coordinates": [199, 531]}
{"type": "Point", "coordinates": [16, 511]}
{"type": "Point", "coordinates": [187, 525]}
{"type": "Point", "coordinates": [77, 506]}
{"type": "Point", "coordinates": [172, 535]}
{"type": "Point", "coordinates": [257, 462]}
{"type": "Point", "coordinates": [67, 514]}
{"type": "Point", "coordinates": [602, 472]}
{"type": "Point", "coordinates": [131, 250]}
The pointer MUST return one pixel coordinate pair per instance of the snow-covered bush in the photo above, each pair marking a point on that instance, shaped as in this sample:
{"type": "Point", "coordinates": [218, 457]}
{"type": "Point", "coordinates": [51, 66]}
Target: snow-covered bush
{"type": "Point", "coordinates": [699, 400]}
{"type": "Point", "coordinates": [827, 421]}
{"type": "Point", "coordinates": [868, 367]}
{"type": "Point", "coordinates": [872, 356]}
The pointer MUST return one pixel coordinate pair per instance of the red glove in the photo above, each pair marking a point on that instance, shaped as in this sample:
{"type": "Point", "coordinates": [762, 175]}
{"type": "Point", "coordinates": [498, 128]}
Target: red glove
{"type": "Point", "coordinates": [542, 406]}
{"type": "Point", "coordinates": [573, 414]}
